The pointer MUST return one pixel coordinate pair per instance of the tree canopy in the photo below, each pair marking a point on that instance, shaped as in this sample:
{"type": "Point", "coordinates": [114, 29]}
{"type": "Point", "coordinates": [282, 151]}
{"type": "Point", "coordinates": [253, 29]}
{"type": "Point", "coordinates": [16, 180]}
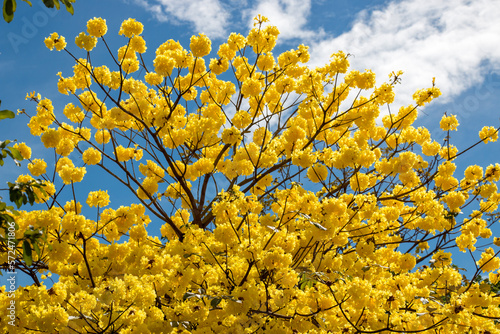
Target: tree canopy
{"type": "Point", "coordinates": [270, 196]}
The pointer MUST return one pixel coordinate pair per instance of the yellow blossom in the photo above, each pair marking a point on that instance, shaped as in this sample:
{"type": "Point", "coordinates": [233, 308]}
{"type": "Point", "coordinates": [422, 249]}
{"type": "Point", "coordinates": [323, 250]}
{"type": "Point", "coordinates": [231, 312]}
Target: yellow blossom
{"type": "Point", "coordinates": [130, 28]}
{"type": "Point", "coordinates": [97, 27]}
{"type": "Point", "coordinates": [37, 167]}
{"type": "Point", "coordinates": [200, 45]}
{"type": "Point", "coordinates": [449, 123]}
{"type": "Point", "coordinates": [98, 198]}
{"type": "Point", "coordinates": [55, 41]}
{"type": "Point", "coordinates": [84, 41]}
{"type": "Point", "coordinates": [488, 134]}
{"type": "Point", "coordinates": [24, 149]}
{"type": "Point", "coordinates": [91, 156]}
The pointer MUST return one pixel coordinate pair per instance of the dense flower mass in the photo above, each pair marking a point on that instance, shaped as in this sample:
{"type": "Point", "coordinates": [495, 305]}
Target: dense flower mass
{"type": "Point", "coordinates": [271, 199]}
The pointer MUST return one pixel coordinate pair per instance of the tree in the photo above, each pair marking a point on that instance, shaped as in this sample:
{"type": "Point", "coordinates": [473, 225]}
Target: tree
{"type": "Point", "coordinates": [10, 6]}
{"type": "Point", "coordinates": [285, 206]}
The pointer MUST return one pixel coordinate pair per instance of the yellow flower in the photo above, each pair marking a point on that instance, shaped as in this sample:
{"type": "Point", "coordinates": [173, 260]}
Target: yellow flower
{"type": "Point", "coordinates": [139, 233]}
{"type": "Point", "coordinates": [431, 148]}
{"type": "Point", "coordinates": [200, 45]}
{"type": "Point", "coordinates": [73, 113]}
{"type": "Point", "coordinates": [51, 138]}
{"type": "Point", "coordinates": [84, 41]}
{"type": "Point", "coordinates": [130, 65]}
{"type": "Point", "coordinates": [24, 149]}
{"type": "Point", "coordinates": [492, 172]}
{"type": "Point", "coordinates": [441, 259]}
{"type": "Point", "coordinates": [91, 156]}
{"type": "Point", "coordinates": [149, 187]}
{"type": "Point", "coordinates": [151, 169]}
{"type": "Point", "coordinates": [454, 200]}
{"type": "Point", "coordinates": [473, 173]}
{"type": "Point", "coordinates": [37, 167]}
{"type": "Point", "coordinates": [488, 133]}
{"type": "Point", "coordinates": [226, 52]}
{"type": "Point", "coordinates": [202, 166]}
{"type": "Point", "coordinates": [124, 154]}
{"type": "Point", "coordinates": [231, 136]}
{"type": "Point", "coordinates": [262, 184]}
{"type": "Point", "coordinates": [97, 27]}
{"type": "Point", "coordinates": [317, 173]}
{"type": "Point", "coordinates": [64, 162]}
{"type": "Point", "coordinates": [242, 119]}
{"type": "Point", "coordinates": [98, 198]}
{"type": "Point", "coordinates": [236, 42]}
{"type": "Point", "coordinates": [164, 65]}
{"type": "Point", "coordinates": [489, 261]}
{"type": "Point", "coordinates": [137, 44]}
{"type": "Point", "coordinates": [55, 41]}
{"type": "Point", "coordinates": [130, 28]}
{"type": "Point", "coordinates": [251, 87]}
{"type": "Point", "coordinates": [153, 78]}
{"type": "Point", "coordinates": [218, 66]}
{"type": "Point", "coordinates": [304, 158]}
{"type": "Point", "coordinates": [71, 174]}
{"type": "Point", "coordinates": [102, 136]}
{"type": "Point", "coordinates": [266, 62]}
{"type": "Point", "coordinates": [448, 123]}
{"type": "Point", "coordinates": [65, 85]}
{"type": "Point", "coordinates": [70, 206]}
{"type": "Point", "coordinates": [424, 96]}
{"type": "Point", "coordinates": [102, 75]}
{"type": "Point", "coordinates": [384, 94]}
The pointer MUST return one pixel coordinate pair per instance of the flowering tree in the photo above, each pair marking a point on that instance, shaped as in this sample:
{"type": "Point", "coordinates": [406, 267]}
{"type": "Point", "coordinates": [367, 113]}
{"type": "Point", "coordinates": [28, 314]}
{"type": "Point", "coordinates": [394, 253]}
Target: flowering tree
{"type": "Point", "coordinates": [286, 206]}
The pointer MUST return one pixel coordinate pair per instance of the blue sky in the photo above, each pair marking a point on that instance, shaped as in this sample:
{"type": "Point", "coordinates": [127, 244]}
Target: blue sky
{"type": "Point", "coordinates": [456, 41]}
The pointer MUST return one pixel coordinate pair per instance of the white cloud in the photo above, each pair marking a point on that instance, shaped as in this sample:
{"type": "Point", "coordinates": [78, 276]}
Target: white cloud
{"type": "Point", "coordinates": [216, 17]}
{"type": "Point", "coordinates": [207, 16]}
{"type": "Point", "coordinates": [290, 16]}
{"type": "Point", "coordinates": [456, 41]}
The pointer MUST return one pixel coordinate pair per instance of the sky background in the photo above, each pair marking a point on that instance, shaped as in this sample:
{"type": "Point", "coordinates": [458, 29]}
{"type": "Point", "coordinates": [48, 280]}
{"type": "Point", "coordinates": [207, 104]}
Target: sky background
{"type": "Point", "coordinates": [455, 41]}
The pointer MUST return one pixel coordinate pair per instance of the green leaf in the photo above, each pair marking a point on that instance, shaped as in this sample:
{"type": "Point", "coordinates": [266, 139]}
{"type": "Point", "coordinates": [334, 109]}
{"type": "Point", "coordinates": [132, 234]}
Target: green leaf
{"type": "Point", "coordinates": [56, 3]}
{"type": "Point", "coordinates": [6, 113]}
{"type": "Point", "coordinates": [6, 217]}
{"type": "Point", "coordinates": [48, 3]}
{"type": "Point", "coordinates": [29, 2]}
{"type": "Point", "coordinates": [31, 234]}
{"type": "Point", "coordinates": [31, 195]}
{"type": "Point", "coordinates": [37, 249]}
{"type": "Point", "coordinates": [214, 302]}
{"type": "Point", "coordinates": [15, 153]}
{"type": "Point", "coordinates": [4, 143]}
{"type": "Point", "coordinates": [69, 6]}
{"type": "Point", "coordinates": [9, 7]}
{"type": "Point", "coordinates": [27, 257]}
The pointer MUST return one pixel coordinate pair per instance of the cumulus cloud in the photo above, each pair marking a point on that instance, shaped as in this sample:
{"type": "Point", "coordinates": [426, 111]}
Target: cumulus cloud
{"type": "Point", "coordinates": [290, 16]}
{"type": "Point", "coordinates": [456, 41]}
{"type": "Point", "coordinates": [216, 17]}
{"type": "Point", "coordinates": [206, 16]}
